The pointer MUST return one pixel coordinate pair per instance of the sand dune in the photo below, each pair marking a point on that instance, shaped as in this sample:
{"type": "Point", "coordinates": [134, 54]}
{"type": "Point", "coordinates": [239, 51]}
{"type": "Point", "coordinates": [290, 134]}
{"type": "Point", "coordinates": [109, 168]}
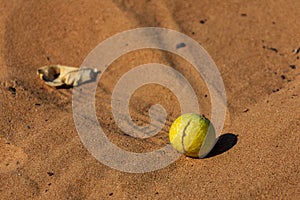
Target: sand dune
{"type": "Point", "coordinates": [41, 154]}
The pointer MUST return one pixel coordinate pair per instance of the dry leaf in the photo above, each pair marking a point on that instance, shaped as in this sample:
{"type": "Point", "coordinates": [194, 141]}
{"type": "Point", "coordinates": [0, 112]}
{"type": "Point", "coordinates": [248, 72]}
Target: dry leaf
{"type": "Point", "coordinates": [59, 75]}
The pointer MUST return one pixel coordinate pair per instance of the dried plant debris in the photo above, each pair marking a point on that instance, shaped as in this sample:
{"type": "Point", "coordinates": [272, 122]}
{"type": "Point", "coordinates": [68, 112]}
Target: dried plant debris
{"type": "Point", "coordinates": [270, 48]}
{"type": "Point", "coordinates": [59, 75]}
{"type": "Point", "coordinates": [296, 51]}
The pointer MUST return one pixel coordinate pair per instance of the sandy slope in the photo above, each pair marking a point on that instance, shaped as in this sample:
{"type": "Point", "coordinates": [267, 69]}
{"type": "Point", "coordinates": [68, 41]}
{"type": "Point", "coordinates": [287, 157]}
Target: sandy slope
{"type": "Point", "coordinates": [41, 155]}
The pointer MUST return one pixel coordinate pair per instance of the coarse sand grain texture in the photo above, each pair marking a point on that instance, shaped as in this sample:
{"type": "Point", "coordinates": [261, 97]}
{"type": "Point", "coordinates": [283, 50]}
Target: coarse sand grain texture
{"type": "Point", "coordinates": [254, 45]}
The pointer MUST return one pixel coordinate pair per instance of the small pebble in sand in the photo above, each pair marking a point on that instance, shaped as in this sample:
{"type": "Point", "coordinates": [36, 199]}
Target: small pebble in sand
{"type": "Point", "coordinates": [12, 90]}
{"type": "Point", "coordinates": [293, 66]}
{"type": "Point", "coordinates": [180, 45]}
{"type": "Point", "coordinates": [246, 110]}
{"type": "Point", "coordinates": [50, 173]}
{"type": "Point", "coordinates": [202, 21]}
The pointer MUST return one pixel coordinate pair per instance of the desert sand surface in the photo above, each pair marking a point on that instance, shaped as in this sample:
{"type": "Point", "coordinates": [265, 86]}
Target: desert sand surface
{"type": "Point", "coordinates": [253, 43]}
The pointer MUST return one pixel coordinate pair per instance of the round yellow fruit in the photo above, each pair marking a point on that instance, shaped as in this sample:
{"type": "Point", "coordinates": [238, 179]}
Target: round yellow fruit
{"type": "Point", "coordinates": [192, 135]}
